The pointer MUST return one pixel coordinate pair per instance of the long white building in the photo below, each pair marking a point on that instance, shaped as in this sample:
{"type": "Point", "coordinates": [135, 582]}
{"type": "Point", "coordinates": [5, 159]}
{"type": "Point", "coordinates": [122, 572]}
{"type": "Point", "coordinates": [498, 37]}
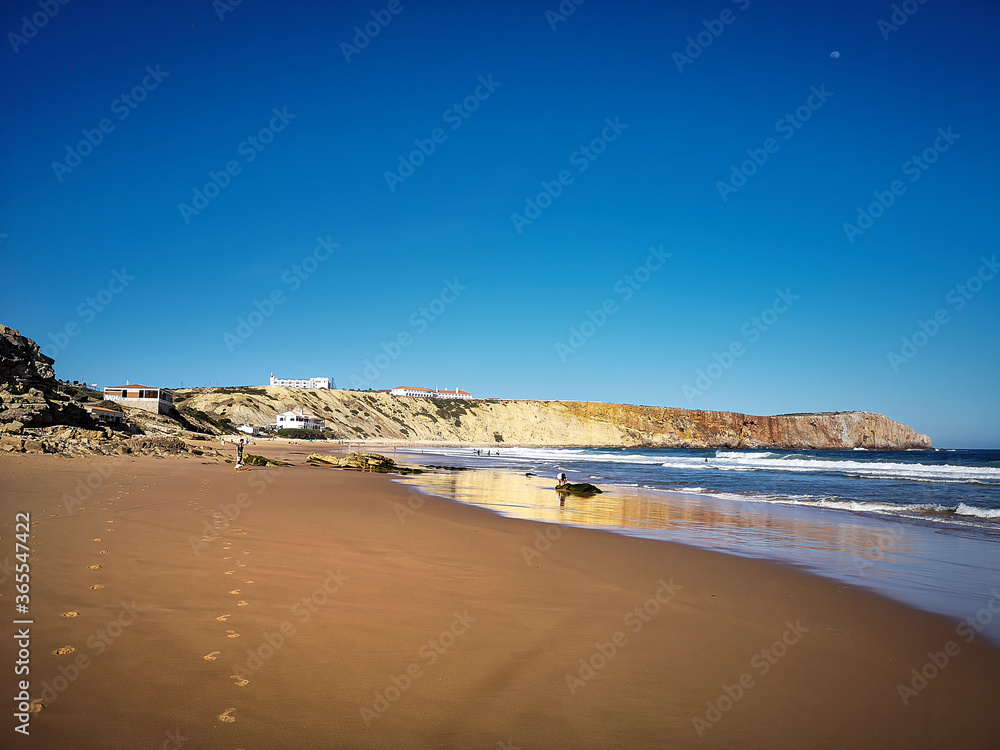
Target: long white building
{"type": "Point", "coordinates": [412, 392]}
{"type": "Point", "coordinates": [315, 383]}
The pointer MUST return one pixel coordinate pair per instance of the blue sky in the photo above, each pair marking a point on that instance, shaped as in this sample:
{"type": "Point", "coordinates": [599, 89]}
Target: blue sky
{"type": "Point", "coordinates": [759, 300]}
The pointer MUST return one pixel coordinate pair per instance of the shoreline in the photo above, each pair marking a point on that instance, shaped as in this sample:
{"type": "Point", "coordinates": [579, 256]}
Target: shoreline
{"type": "Point", "coordinates": [431, 615]}
{"type": "Point", "coordinates": [885, 554]}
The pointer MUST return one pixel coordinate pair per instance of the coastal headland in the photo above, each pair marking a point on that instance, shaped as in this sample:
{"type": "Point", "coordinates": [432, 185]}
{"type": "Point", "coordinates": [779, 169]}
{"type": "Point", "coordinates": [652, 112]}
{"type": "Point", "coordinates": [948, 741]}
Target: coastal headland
{"type": "Point", "coordinates": [374, 416]}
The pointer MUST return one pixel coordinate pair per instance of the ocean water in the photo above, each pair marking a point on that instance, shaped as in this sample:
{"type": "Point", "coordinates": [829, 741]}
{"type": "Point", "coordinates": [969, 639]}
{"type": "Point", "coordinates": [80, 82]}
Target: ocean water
{"type": "Point", "coordinates": [919, 526]}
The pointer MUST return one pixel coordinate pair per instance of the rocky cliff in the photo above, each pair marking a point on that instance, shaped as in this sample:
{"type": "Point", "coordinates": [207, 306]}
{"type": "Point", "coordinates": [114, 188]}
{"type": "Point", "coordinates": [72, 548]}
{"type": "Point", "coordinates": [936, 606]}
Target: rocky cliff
{"type": "Point", "coordinates": [355, 415]}
{"type": "Point", "coordinates": [29, 395]}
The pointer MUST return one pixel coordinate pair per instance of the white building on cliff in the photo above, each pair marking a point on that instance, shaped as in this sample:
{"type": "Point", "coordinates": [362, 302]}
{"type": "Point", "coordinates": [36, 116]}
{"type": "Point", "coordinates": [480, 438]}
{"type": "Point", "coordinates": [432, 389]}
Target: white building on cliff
{"type": "Point", "coordinates": [313, 383]}
{"type": "Point", "coordinates": [289, 420]}
{"type": "Point", "coordinates": [150, 398]}
{"type": "Point", "coordinates": [412, 392]}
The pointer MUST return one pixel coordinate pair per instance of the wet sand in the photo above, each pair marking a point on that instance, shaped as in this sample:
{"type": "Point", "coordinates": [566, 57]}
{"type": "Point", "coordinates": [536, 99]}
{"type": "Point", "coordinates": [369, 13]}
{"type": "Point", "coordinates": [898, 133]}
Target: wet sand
{"type": "Point", "coordinates": [311, 607]}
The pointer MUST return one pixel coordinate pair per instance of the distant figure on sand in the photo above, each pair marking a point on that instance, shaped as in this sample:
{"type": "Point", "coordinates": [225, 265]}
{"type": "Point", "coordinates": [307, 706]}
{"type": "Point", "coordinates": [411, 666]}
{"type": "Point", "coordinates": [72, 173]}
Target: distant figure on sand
{"type": "Point", "coordinates": [561, 478]}
{"type": "Point", "coordinates": [239, 454]}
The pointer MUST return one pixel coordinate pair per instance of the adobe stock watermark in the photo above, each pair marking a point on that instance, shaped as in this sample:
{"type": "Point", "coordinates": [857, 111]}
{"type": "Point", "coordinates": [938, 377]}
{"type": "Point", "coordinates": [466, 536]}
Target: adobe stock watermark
{"type": "Point", "coordinates": [786, 127]}
{"type": "Point", "coordinates": [455, 116]}
{"type": "Point", "coordinates": [760, 663]}
{"type": "Point", "coordinates": [47, 10]}
{"type": "Point", "coordinates": [937, 661]}
{"type": "Point", "coordinates": [427, 656]}
{"type": "Point", "coordinates": [582, 158]}
{"type": "Point", "coordinates": [562, 12]}
{"type": "Point", "coordinates": [363, 36]}
{"type": "Point", "coordinates": [99, 642]}
{"type": "Point", "coordinates": [882, 546]}
{"type": "Point", "coordinates": [222, 7]}
{"type": "Point", "coordinates": [703, 39]}
{"type": "Point", "coordinates": [414, 502]}
{"type": "Point", "coordinates": [122, 106]}
{"type": "Point", "coordinates": [625, 287]}
{"type": "Point", "coordinates": [752, 330]}
{"type": "Point", "coordinates": [419, 320]}
{"type": "Point", "coordinates": [88, 311]}
{"type": "Point", "coordinates": [89, 484]}
{"type": "Point", "coordinates": [542, 543]}
{"type": "Point", "coordinates": [957, 297]}
{"type": "Point", "coordinates": [302, 611]}
{"type": "Point", "coordinates": [900, 15]}
{"type": "Point", "coordinates": [249, 149]}
{"type": "Point", "coordinates": [229, 512]}
{"type": "Point", "coordinates": [635, 620]}
{"type": "Point", "coordinates": [914, 168]}
{"type": "Point", "coordinates": [292, 279]}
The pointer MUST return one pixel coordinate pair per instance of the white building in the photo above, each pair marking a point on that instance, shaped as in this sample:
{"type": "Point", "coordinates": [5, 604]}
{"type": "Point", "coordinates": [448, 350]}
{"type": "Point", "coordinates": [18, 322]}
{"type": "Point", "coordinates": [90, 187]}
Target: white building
{"type": "Point", "coordinates": [297, 420]}
{"type": "Point", "coordinates": [156, 400]}
{"type": "Point", "coordinates": [248, 429]}
{"type": "Point", "coordinates": [405, 390]}
{"type": "Point", "coordinates": [315, 383]}
{"type": "Point", "coordinates": [457, 393]}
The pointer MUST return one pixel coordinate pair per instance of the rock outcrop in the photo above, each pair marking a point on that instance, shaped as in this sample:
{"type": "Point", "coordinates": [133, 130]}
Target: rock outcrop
{"type": "Point", "coordinates": [28, 386]}
{"type": "Point", "coordinates": [368, 416]}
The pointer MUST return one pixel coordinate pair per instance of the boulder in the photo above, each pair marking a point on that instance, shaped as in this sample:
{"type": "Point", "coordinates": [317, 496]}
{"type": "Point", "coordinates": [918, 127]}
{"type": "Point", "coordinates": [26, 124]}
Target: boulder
{"type": "Point", "coordinates": [584, 489]}
{"type": "Point", "coordinates": [12, 428]}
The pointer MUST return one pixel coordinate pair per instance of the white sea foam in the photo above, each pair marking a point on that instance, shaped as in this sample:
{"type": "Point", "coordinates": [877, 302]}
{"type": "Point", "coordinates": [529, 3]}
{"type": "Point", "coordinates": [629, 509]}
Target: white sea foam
{"type": "Point", "coordinates": [971, 510]}
{"type": "Point", "coordinates": [730, 460]}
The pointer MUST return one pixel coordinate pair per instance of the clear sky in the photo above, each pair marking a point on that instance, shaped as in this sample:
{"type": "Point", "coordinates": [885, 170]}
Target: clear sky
{"type": "Point", "coordinates": [468, 194]}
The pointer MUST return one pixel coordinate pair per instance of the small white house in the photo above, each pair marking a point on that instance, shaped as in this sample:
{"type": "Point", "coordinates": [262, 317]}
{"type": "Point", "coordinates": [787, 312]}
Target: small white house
{"type": "Point", "coordinates": [156, 400]}
{"type": "Point", "coordinates": [291, 420]}
{"type": "Point", "coordinates": [248, 429]}
{"type": "Point", "coordinates": [313, 383]}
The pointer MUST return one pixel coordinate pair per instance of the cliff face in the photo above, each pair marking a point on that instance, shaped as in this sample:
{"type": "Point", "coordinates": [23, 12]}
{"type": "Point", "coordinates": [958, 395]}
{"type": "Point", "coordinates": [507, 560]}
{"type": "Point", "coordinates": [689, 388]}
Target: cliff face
{"type": "Point", "coordinates": [28, 393]}
{"type": "Point", "coordinates": [359, 416]}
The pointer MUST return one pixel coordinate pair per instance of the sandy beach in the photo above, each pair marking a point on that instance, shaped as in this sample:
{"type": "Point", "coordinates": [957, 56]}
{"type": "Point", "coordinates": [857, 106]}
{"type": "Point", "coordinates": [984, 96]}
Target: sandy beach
{"type": "Point", "coordinates": [315, 608]}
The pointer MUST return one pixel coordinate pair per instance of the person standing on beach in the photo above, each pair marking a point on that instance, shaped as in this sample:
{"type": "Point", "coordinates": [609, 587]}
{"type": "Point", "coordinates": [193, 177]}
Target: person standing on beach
{"type": "Point", "coordinates": [561, 478]}
{"type": "Point", "coordinates": [239, 452]}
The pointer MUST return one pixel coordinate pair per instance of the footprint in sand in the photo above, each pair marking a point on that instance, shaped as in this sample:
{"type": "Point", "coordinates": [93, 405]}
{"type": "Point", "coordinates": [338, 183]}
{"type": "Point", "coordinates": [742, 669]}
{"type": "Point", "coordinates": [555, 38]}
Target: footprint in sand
{"type": "Point", "coordinates": [226, 718]}
{"type": "Point", "coordinates": [232, 634]}
{"type": "Point", "coordinates": [70, 614]}
{"type": "Point", "coordinates": [235, 591]}
{"type": "Point", "coordinates": [228, 558]}
{"type": "Point", "coordinates": [109, 521]}
{"type": "Point", "coordinates": [103, 552]}
{"type": "Point", "coordinates": [93, 567]}
{"type": "Point", "coordinates": [96, 586]}
{"type": "Point", "coordinates": [95, 540]}
{"type": "Point", "coordinates": [229, 572]}
{"type": "Point", "coordinates": [241, 603]}
{"type": "Point", "coordinates": [223, 618]}
{"type": "Point", "coordinates": [240, 682]}
{"type": "Point", "coordinates": [240, 565]}
{"type": "Point", "coordinates": [246, 580]}
{"type": "Point", "coordinates": [64, 650]}
{"type": "Point", "coordinates": [211, 656]}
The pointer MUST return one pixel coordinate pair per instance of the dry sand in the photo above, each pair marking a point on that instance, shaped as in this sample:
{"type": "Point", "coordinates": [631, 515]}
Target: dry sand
{"type": "Point", "coordinates": [357, 623]}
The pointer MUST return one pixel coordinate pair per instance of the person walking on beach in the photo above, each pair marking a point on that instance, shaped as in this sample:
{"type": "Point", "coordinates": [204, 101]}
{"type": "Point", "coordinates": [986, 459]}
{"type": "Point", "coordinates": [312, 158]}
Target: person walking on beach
{"type": "Point", "coordinates": [239, 453]}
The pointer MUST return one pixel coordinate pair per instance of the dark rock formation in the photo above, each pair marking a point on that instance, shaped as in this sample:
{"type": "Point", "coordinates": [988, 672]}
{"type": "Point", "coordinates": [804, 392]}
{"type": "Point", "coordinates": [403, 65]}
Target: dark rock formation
{"type": "Point", "coordinates": [28, 386]}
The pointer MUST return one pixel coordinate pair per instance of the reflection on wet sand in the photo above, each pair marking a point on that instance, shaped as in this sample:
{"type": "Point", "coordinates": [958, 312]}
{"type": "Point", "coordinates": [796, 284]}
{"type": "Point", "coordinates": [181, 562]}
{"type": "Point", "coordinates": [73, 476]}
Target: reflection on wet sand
{"type": "Point", "coordinates": [743, 528]}
{"type": "Point", "coordinates": [922, 565]}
